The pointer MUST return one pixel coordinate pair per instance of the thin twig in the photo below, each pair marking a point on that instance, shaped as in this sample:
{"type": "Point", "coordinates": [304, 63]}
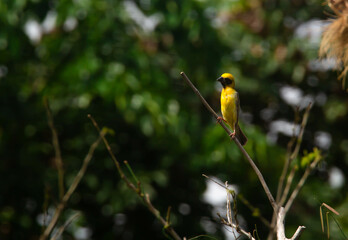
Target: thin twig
{"type": "Point", "coordinates": [118, 167]}
{"type": "Point", "coordinates": [300, 136]}
{"type": "Point", "coordinates": [71, 189]}
{"type": "Point", "coordinates": [287, 158]}
{"type": "Point", "coordinates": [255, 211]}
{"type": "Point", "coordinates": [294, 154]}
{"type": "Point", "coordinates": [244, 201]}
{"type": "Point", "coordinates": [288, 185]}
{"type": "Point", "coordinates": [251, 162]}
{"type": "Point", "coordinates": [168, 216]}
{"type": "Point", "coordinates": [331, 209]}
{"type": "Point", "coordinates": [55, 142]}
{"type": "Point", "coordinates": [290, 156]}
{"type": "Point", "coordinates": [144, 197]}
{"type": "Point", "coordinates": [66, 224]}
{"type": "Point", "coordinates": [213, 180]}
{"type": "Point", "coordinates": [232, 225]}
{"type": "Point", "coordinates": [300, 184]}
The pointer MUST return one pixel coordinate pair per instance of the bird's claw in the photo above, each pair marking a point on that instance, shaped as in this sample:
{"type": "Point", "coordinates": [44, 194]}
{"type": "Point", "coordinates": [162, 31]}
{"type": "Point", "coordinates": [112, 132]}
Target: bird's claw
{"type": "Point", "coordinates": [220, 119]}
{"type": "Point", "coordinates": [233, 135]}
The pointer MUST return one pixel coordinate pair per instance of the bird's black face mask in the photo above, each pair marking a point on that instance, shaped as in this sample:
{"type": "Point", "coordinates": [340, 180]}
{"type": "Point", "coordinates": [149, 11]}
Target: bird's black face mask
{"type": "Point", "coordinates": [224, 81]}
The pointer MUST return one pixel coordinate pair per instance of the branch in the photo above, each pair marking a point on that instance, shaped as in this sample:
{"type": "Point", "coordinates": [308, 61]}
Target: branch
{"type": "Point", "coordinates": [290, 156]}
{"type": "Point", "coordinates": [244, 201]}
{"type": "Point", "coordinates": [232, 225]}
{"type": "Point", "coordinates": [251, 162]}
{"type": "Point", "coordinates": [300, 136]}
{"type": "Point", "coordinates": [280, 227]}
{"type": "Point", "coordinates": [66, 224]}
{"type": "Point", "coordinates": [144, 197]}
{"type": "Point", "coordinates": [55, 142]}
{"type": "Point", "coordinates": [71, 189]}
{"type": "Point", "coordinates": [293, 155]}
{"type": "Point", "coordinates": [300, 184]}
{"type": "Point", "coordinates": [288, 185]}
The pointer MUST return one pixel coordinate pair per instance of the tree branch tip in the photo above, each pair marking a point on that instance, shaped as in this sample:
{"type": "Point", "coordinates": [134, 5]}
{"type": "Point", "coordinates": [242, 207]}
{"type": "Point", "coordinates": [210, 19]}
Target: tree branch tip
{"type": "Point", "coordinates": [182, 73]}
{"type": "Point", "coordinates": [168, 216]}
{"type": "Point", "coordinates": [89, 115]}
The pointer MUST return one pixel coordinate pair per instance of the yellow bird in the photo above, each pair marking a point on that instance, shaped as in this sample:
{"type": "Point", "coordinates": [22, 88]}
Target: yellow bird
{"type": "Point", "coordinates": [230, 106]}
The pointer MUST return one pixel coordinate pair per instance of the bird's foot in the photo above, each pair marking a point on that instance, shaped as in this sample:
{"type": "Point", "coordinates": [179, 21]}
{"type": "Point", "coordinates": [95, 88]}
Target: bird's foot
{"type": "Point", "coordinates": [220, 119]}
{"type": "Point", "coordinates": [233, 135]}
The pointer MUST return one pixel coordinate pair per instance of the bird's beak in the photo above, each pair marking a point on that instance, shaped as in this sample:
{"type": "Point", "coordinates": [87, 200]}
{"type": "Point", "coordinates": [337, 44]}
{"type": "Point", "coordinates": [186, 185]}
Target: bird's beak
{"type": "Point", "coordinates": [220, 79]}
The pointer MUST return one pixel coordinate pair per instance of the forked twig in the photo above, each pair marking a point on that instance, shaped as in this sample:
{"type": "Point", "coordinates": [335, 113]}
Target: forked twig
{"type": "Point", "coordinates": [71, 189]}
{"type": "Point", "coordinates": [244, 201]}
{"type": "Point", "coordinates": [234, 226]}
{"type": "Point", "coordinates": [66, 224]}
{"type": "Point", "coordinates": [290, 156]}
{"type": "Point", "coordinates": [300, 184]}
{"type": "Point", "coordinates": [293, 155]}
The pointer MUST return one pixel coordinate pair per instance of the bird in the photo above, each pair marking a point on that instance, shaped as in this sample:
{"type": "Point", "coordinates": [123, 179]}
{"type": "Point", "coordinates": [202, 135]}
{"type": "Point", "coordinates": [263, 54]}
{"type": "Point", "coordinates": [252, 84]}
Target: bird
{"type": "Point", "coordinates": [230, 107]}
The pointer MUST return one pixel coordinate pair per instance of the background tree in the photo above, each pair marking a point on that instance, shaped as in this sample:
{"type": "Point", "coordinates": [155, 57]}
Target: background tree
{"type": "Point", "coordinates": [120, 61]}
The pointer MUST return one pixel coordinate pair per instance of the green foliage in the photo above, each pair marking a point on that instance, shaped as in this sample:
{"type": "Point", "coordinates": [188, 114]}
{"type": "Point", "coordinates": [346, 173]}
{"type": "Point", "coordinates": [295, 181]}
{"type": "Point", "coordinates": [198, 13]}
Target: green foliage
{"type": "Point", "coordinates": [120, 61]}
{"type": "Point", "coordinates": [310, 157]}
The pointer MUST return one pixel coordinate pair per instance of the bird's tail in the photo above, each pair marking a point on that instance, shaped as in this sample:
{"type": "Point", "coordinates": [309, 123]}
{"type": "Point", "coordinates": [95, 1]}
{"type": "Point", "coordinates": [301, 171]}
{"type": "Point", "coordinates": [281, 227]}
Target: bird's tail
{"type": "Point", "coordinates": [240, 136]}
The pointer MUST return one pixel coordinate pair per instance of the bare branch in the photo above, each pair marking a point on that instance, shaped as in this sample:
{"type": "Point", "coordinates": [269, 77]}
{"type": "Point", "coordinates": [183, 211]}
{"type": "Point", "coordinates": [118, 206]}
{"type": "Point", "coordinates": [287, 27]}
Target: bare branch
{"type": "Point", "coordinates": [117, 164]}
{"type": "Point", "coordinates": [288, 185]}
{"type": "Point", "coordinates": [55, 142]}
{"type": "Point", "coordinates": [143, 196]}
{"type": "Point", "coordinates": [251, 162]}
{"type": "Point", "coordinates": [293, 155]}
{"type": "Point", "coordinates": [300, 136]}
{"type": "Point", "coordinates": [280, 227]}
{"type": "Point", "coordinates": [244, 201]}
{"type": "Point", "coordinates": [287, 157]}
{"type": "Point", "coordinates": [298, 232]}
{"type": "Point", "coordinates": [66, 224]}
{"type": "Point", "coordinates": [300, 184]}
{"type": "Point", "coordinates": [71, 189]}
{"type": "Point", "coordinates": [213, 180]}
{"type": "Point", "coordinates": [290, 156]}
{"type": "Point", "coordinates": [234, 226]}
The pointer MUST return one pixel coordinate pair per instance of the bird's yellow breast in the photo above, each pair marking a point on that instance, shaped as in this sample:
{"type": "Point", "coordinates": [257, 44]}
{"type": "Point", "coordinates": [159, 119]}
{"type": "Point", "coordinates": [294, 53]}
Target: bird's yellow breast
{"type": "Point", "coordinates": [229, 106]}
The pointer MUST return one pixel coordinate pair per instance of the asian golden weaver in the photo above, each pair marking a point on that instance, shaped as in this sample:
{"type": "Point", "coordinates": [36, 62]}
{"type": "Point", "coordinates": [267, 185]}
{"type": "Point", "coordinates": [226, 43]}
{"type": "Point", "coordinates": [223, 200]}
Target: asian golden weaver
{"type": "Point", "coordinates": [230, 106]}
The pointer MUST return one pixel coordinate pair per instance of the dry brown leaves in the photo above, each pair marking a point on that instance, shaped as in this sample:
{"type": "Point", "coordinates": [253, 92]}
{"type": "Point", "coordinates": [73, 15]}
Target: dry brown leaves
{"type": "Point", "coordinates": [334, 42]}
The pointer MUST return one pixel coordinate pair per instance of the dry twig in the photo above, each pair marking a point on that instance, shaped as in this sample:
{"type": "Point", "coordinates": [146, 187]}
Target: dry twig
{"type": "Point", "coordinates": [143, 196]}
{"type": "Point", "coordinates": [293, 155]}
{"type": "Point", "coordinates": [300, 184]}
{"type": "Point", "coordinates": [55, 142]}
{"type": "Point", "coordinates": [244, 201]}
{"type": "Point", "coordinates": [66, 224]}
{"type": "Point", "coordinates": [71, 189]}
{"type": "Point", "coordinates": [290, 156]}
